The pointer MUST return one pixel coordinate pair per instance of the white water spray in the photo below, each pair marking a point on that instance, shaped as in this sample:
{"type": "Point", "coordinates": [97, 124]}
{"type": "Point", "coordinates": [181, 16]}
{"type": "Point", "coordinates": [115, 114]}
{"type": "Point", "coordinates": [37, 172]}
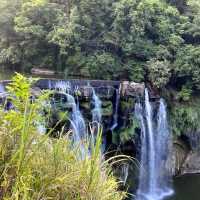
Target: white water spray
{"type": "Point", "coordinates": [96, 112]}
{"type": "Point", "coordinates": [115, 117]}
{"type": "Point", "coordinates": [154, 179]}
{"type": "Point", "coordinates": [2, 88]}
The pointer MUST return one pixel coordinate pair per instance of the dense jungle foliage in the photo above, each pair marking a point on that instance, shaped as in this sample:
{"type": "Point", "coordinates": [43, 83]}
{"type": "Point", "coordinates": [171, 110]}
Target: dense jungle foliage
{"type": "Point", "coordinates": [140, 40]}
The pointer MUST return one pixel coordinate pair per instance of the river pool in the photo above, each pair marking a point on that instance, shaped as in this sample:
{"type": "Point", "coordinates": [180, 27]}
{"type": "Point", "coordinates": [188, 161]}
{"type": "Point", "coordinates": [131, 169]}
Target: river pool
{"type": "Point", "coordinates": [187, 188]}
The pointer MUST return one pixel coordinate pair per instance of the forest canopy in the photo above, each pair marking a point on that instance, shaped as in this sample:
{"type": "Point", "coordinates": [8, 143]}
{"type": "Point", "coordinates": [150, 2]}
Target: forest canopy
{"type": "Point", "coordinates": [141, 40]}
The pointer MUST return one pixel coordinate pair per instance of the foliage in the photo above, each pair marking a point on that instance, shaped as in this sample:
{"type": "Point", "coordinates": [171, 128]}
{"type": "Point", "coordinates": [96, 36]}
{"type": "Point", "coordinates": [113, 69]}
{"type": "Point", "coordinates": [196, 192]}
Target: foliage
{"type": "Point", "coordinates": [106, 65]}
{"type": "Point", "coordinates": [28, 43]}
{"type": "Point", "coordinates": [35, 166]}
{"type": "Point", "coordinates": [8, 36]}
{"type": "Point", "coordinates": [126, 134]}
{"type": "Point", "coordinates": [104, 39]}
{"type": "Point", "coordinates": [187, 66]}
{"type": "Point", "coordinates": [185, 117]}
{"type": "Point", "coordinates": [159, 72]}
{"type": "Point", "coordinates": [185, 94]}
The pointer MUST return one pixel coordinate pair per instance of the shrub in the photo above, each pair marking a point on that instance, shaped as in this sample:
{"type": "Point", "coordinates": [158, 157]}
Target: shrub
{"type": "Point", "coordinates": [185, 94]}
{"type": "Point", "coordinates": [159, 72]}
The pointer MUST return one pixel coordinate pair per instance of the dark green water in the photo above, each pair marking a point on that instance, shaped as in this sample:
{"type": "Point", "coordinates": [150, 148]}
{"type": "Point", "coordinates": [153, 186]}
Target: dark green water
{"type": "Point", "coordinates": [187, 188]}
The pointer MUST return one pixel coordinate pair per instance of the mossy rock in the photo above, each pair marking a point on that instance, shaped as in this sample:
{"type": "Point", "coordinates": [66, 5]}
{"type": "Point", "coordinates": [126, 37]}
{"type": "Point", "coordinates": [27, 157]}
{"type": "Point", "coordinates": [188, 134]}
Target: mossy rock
{"type": "Point", "coordinates": [185, 117]}
{"type": "Point", "coordinates": [107, 111]}
{"type": "Point", "coordinates": [127, 105]}
{"type": "Point", "coordinates": [129, 132]}
{"type": "Point", "coordinates": [106, 104]}
{"type": "Point", "coordinates": [85, 105]}
{"type": "Point", "coordinates": [63, 106]}
{"type": "Point", "coordinates": [63, 116]}
{"type": "Point", "coordinates": [115, 138]}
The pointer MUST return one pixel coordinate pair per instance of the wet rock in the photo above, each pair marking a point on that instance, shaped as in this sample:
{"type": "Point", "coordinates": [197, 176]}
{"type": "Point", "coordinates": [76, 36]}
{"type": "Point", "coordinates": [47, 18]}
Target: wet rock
{"type": "Point", "coordinates": [85, 105]}
{"type": "Point", "coordinates": [106, 104]}
{"type": "Point", "coordinates": [194, 140]}
{"type": "Point", "coordinates": [179, 155]}
{"type": "Point", "coordinates": [192, 163]}
{"type": "Point", "coordinates": [40, 71]}
{"type": "Point", "coordinates": [127, 106]}
{"type": "Point", "coordinates": [132, 89]}
{"type": "Point", "coordinates": [108, 110]}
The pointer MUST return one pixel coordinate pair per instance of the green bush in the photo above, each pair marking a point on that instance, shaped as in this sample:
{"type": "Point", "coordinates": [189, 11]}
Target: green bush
{"type": "Point", "coordinates": [185, 94]}
{"type": "Point", "coordinates": [185, 117]}
{"type": "Point", "coordinates": [159, 72]}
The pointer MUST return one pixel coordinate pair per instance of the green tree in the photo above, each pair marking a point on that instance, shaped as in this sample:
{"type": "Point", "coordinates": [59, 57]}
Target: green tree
{"type": "Point", "coordinates": [34, 23]}
{"type": "Point", "coordinates": [187, 66]}
{"type": "Point", "coordinates": [139, 40]}
{"type": "Point", "coordinates": [10, 51]}
{"type": "Point", "coordinates": [159, 72]}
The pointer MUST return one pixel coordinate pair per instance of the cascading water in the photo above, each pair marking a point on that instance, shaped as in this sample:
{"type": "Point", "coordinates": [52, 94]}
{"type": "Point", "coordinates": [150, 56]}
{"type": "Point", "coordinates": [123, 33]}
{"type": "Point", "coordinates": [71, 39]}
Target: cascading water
{"type": "Point", "coordinates": [49, 85]}
{"type": "Point", "coordinates": [62, 86]}
{"type": "Point", "coordinates": [163, 146]}
{"type": "Point", "coordinates": [77, 120]}
{"type": "Point", "coordinates": [115, 117]}
{"type": "Point", "coordinates": [2, 89]}
{"type": "Point", "coordinates": [154, 179]}
{"type": "Point", "coordinates": [96, 112]}
{"type": "Point", "coordinates": [97, 118]}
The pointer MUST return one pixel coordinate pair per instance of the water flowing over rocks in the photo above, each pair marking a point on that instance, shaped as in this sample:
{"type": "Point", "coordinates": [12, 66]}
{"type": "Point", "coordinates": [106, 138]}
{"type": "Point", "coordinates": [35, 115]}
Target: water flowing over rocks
{"type": "Point", "coordinates": [113, 103]}
{"type": "Point", "coordinates": [154, 179]}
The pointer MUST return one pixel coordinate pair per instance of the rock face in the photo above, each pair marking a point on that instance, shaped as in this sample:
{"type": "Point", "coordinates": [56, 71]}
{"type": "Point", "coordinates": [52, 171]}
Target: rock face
{"type": "Point", "coordinates": [192, 163]}
{"type": "Point", "coordinates": [179, 154]}
{"type": "Point", "coordinates": [132, 89]}
{"type": "Point", "coordinates": [186, 155]}
{"type": "Point", "coordinates": [193, 139]}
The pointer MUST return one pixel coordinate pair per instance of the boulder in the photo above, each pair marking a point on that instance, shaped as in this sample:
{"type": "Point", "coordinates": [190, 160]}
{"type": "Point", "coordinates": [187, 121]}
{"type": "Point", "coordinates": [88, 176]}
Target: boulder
{"type": "Point", "coordinates": [132, 89]}
{"type": "Point", "coordinates": [42, 71]}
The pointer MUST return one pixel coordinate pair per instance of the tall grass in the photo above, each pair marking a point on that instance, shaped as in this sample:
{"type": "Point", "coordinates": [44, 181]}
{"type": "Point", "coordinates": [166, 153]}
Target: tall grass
{"type": "Point", "coordinates": [37, 167]}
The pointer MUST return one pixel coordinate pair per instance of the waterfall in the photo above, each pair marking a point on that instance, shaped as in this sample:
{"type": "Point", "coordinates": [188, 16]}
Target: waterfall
{"type": "Point", "coordinates": [115, 117]}
{"type": "Point", "coordinates": [96, 112]}
{"type": "Point", "coordinates": [2, 88]}
{"type": "Point", "coordinates": [77, 124]}
{"type": "Point", "coordinates": [77, 121]}
{"type": "Point", "coordinates": [62, 86]}
{"type": "Point", "coordinates": [154, 178]}
{"type": "Point", "coordinates": [49, 85]}
{"type": "Point", "coordinates": [97, 118]}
